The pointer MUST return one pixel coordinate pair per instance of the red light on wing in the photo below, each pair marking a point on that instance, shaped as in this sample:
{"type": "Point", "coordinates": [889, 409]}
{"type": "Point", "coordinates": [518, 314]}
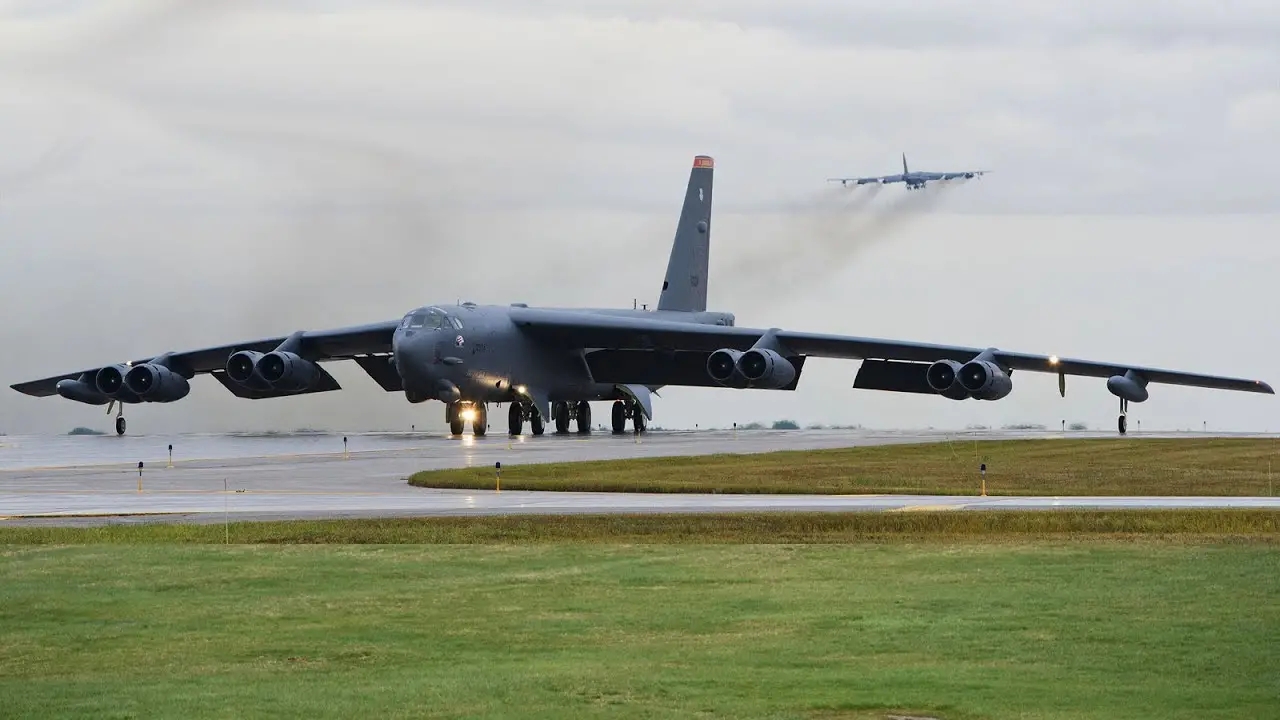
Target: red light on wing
{"type": "Point", "coordinates": [702, 161]}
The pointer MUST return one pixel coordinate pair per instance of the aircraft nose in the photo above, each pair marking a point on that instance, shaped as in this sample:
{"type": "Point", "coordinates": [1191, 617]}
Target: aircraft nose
{"type": "Point", "coordinates": [403, 353]}
{"type": "Point", "coordinates": [414, 356]}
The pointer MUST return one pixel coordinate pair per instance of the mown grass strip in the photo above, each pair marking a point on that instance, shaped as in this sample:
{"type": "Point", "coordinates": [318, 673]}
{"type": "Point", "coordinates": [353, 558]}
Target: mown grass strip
{"type": "Point", "coordinates": [811, 527]}
{"type": "Point", "coordinates": [956, 631]}
{"type": "Point", "coordinates": [1119, 466]}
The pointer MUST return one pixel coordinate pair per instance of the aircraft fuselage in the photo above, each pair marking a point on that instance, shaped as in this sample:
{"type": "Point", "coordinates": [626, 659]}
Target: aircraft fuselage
{"type": "Point", "coordinates": [476, 354]}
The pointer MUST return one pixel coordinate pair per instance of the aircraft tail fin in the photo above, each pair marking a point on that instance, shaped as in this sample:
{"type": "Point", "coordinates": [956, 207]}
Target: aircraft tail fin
{"type": "Point", "coordinates": [905, 171]}
{"type": "Point", "coordinates": [685, 286]}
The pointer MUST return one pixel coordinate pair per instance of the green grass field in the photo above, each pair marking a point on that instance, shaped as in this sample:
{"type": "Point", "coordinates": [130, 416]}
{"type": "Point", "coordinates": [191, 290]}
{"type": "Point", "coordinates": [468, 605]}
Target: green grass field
{"type": "Point", "coordinates": [1181, 525]}
{"type": "Point", "coordinates": [959, 615]}
{"type": "Point", "coordinates": [1215, 466]}
{"type": "Point", "coordinates": [949, 629]}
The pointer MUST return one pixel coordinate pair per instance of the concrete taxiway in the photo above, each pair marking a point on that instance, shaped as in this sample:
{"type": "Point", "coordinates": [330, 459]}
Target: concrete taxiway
{"type": "Point", "coordinates": [372, 483]}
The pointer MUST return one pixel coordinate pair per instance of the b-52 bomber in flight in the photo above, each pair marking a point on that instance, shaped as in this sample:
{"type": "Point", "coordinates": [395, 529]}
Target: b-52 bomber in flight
{"type": "Point", "coordinates": [550, 364]}
{"type": "Point", "coordinates": [913, 180]}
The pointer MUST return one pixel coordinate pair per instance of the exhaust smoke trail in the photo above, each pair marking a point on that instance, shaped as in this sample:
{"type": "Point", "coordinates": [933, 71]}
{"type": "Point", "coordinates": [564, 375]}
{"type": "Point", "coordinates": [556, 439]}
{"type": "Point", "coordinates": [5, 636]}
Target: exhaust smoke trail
{"type": "Point", "coordinates": [334, 220]}
{"type": "Point", "coordinates": [818, 239]}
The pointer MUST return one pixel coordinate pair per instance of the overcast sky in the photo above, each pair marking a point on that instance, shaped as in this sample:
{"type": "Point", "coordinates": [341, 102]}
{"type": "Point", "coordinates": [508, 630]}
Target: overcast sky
{"type": "Point", "coordinates": [180, 174]}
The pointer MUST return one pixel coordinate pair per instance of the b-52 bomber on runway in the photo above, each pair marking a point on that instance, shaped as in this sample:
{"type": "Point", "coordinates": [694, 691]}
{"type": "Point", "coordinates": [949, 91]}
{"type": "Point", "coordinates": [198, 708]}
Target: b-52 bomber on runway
{"type": "Point", "coordinates": [913, 180]}
{"type": "Point", "coordinates": [549, 364]}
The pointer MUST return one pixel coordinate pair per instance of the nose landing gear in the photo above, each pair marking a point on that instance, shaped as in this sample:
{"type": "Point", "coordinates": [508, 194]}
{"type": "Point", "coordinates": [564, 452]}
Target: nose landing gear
{"type": "Point", "coordinates": [456, 414]}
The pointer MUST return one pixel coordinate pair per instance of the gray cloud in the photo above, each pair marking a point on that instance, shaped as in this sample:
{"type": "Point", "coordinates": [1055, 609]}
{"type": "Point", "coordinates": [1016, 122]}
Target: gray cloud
{"type": "Point", "coordinates": [241, 170]}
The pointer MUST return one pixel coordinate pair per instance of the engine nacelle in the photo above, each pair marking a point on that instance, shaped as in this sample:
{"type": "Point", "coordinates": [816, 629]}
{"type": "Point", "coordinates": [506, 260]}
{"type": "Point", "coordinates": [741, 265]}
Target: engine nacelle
{"type": "Point", "coordinates": [722, 366]}
{"type": "Point", "coordinates": [156, 383]}
{"type": "Point", "coordinates": [765, 368]}
{"type": "Point", "coordinates": [984, 380]}
{"type": "Point", "coordinates": [241, 367]}
{"type": "Point", "coordinates": [110, 382]}
{"type": "Point", "coordinates": [1128, 387]}
{"type": "Point", "coordinates": [81, 391]}
{"type": "Point", "coordinates": [287, 372]}
{"type": "Point", "coordinates": [944, 378]}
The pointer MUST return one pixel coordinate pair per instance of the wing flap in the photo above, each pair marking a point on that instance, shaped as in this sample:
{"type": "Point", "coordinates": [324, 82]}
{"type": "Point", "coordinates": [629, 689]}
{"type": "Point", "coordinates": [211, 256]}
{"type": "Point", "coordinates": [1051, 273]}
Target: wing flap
{"type": "Point", "coordinates": [379, 368]}
{"type": "Point", "coordinates": [327, 383]}
{"type": "Point", "coordinates": [893, 376]}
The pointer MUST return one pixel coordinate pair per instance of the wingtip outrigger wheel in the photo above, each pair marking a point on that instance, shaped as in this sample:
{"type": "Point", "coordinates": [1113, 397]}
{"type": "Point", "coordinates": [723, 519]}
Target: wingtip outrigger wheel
{"type": "Point", "coordinates": [1122, 423]}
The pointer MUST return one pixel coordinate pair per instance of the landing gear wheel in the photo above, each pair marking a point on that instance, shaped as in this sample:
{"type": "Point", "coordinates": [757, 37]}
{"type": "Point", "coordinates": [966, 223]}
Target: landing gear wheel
{"type": "Point", "coordinates": [480, 425]}
{"type": "Point", "coordinates": [515, 419]}
{"type": "Point", "coordinates": [121, 425]}
{"type": "Point", "coordinates": [584, 416]}
{"type": "Point", "coordinates": [637, 420]}
{"type": "Point", "coordinates": [619, 417]}
{"type": "Point", "coordinates": [560, 411]}
{"type": "Point", "coordinates": [453, 419]}
{"type": "Point", "coordinates": [1123, 424]}
{"type": "Point", "coordinates": [535, 423]}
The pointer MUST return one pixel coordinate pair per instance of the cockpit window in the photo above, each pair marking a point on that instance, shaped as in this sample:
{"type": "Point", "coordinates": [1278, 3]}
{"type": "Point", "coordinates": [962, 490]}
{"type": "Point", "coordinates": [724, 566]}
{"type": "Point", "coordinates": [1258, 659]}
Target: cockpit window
{"type": "Point", "coordinates": [457, 324]}
{"type": "Point", "coordinates": [426, 319]}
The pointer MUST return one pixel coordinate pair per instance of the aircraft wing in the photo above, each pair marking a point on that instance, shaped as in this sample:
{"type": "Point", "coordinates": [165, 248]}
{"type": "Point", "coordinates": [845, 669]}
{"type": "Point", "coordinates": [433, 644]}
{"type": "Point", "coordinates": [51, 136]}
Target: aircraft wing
{"type": "Point", "coordinates": [867, 180]}
{"type": "Point", "coordinates": [318, 345]}
{"type": "Point", "coordinates": [962, 174]}
{"type": "Point", "coordinates": [587, 331]}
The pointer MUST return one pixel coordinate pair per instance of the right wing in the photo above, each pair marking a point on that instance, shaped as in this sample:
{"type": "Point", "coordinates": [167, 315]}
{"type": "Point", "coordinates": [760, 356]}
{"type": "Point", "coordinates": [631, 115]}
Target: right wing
{"type": "Point", "coordinates": [909, 359]}
{"type": "Point", "coordinates": [316, 346]}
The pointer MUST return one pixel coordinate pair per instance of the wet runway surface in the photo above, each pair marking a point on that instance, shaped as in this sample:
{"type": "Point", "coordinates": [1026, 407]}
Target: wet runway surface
{"type": "Point", "coordinates": [66, 480]}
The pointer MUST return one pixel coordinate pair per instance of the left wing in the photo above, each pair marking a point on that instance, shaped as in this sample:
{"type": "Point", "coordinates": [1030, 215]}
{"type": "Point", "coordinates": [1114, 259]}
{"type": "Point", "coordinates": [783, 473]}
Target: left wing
{"type": "Point", "coordinates": [882, 179]}
{"type": "Point", "coordinates": [581, 330]}
{"type": "Point", "coordinates": [312, 346]}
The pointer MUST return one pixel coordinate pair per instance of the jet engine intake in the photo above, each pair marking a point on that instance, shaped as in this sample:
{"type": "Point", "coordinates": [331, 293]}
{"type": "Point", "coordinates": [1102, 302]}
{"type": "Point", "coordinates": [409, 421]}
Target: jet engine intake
{"type": "Point", "coordinates": [241, 366]}
{"type": "Point", "coordinates": [943, 377]}
{"type": "Point", "coordinates": [722, 366]}
{"type": "Point", "coordinates": [765, 368]}
{"type": "Point", "coordinates": [156, 383]}
{"type": "Point", "coordinates": [984, 380]}
{"type": "Point", "coordinates": [287, 372]}
{"type": "Point", "coordinates": [110, 380]}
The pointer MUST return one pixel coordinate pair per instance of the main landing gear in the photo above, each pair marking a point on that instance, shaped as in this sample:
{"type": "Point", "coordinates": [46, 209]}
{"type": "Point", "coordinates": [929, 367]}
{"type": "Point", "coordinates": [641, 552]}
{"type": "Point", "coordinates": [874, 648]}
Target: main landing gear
{"type": "Point", "coordinates": [565, 412]}
{"type": "Point", "coordinates": [458, 413]}
{"type": "Point", "coordinates": [627, 409]}
{"type": "Point", "coordinates": [521, 411]}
